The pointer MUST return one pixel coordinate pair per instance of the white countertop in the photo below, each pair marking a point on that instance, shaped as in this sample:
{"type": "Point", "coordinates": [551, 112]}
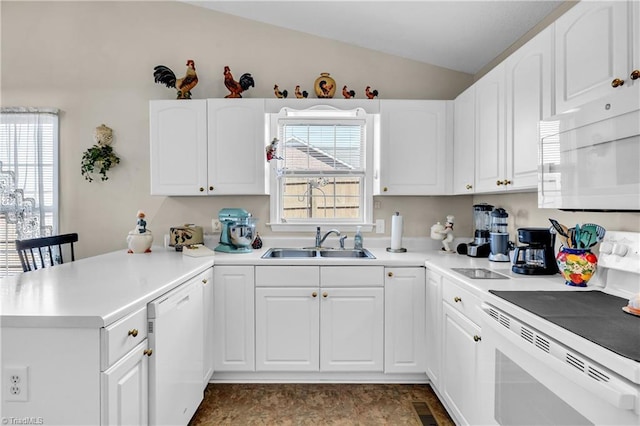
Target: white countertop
{"type": "Point", "coordinates": [96, 291]}
{"type": "Point", "coordinates": [93, 292]}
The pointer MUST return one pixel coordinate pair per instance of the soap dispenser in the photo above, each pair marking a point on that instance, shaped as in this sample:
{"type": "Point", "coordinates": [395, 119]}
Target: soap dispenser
{"type": "Point", "coordinates": [357, 239]}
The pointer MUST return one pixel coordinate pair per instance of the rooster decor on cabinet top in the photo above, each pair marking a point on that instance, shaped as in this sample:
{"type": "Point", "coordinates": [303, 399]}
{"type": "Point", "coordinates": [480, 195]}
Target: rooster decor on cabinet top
{"type": "Point", "coordinates": [164, 75]}
{"type": "Point", "coordinates": [237, 87]}
{"type": "Point", "coordinates": [348, 94]}
{"type": "Point", "coordinates": [280, 94]}
{"type": "Point", "coordinates": [300, 94]}
{"type": "Point", "coordinates": [370, 93]}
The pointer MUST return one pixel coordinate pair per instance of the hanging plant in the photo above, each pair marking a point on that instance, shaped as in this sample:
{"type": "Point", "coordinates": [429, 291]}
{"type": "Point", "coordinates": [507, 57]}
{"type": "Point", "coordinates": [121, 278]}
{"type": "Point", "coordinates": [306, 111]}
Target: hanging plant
{"type": "Point", "coordinates": [100, 158]}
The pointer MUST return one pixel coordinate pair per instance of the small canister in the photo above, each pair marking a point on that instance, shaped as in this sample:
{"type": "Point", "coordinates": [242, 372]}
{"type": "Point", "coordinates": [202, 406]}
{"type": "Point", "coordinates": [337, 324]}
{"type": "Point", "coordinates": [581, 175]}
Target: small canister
{"type": "Point", "coordinates": [186, 234]}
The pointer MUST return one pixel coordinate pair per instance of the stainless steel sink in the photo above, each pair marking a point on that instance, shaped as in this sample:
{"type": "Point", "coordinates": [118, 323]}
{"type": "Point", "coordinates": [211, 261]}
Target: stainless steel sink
{"type": "Point", "coordinates": [281, 253]}
{"type": "Point", "coordinates": [289, 252]}
{"type": "Point", "coordinates": [360, 253]}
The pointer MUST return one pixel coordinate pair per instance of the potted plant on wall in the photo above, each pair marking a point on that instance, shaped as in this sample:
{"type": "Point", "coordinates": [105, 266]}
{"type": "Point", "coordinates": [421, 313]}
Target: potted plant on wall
{"type": "Point", "coordinates": [100, 158]}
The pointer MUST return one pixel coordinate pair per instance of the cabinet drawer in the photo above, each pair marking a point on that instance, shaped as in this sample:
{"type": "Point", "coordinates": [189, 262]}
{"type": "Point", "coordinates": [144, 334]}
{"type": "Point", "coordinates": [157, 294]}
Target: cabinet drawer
{"type": "Point", "coordinates": [461, 300]}
{"type": "Point", "coordinates": [287, 276]}
{"type": "Point", "coordinates": [352, 276]}
{"type": "Point", "coordinates": [122, 336]}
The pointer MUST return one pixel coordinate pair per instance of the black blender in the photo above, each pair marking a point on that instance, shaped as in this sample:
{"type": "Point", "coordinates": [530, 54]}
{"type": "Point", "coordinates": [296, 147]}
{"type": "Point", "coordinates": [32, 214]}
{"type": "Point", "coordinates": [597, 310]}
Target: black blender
{"type": "Point", "coordinates": [499, 237]}
{"type": "Point", "coordinates": [480, 246]}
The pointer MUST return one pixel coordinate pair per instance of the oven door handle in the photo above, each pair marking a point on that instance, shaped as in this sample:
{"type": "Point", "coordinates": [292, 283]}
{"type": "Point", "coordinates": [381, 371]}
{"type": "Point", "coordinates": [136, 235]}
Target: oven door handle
{"type": "Point", "coordinates": [615, 391]}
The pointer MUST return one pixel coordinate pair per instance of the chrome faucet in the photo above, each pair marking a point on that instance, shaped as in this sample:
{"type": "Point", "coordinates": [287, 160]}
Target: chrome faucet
{"type": "Point", "coordinates": [320, 240]}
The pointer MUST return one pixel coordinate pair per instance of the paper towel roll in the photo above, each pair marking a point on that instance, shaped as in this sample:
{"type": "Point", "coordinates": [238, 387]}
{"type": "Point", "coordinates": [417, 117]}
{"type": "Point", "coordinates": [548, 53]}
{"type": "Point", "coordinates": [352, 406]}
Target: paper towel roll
{"type": "Point", "coordinates": [396, 231]}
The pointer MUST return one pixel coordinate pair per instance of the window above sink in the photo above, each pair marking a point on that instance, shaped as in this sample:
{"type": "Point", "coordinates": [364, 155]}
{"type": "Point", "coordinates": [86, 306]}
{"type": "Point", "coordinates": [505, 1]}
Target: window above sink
{"type": "Point", "coordinates": [323, 170]}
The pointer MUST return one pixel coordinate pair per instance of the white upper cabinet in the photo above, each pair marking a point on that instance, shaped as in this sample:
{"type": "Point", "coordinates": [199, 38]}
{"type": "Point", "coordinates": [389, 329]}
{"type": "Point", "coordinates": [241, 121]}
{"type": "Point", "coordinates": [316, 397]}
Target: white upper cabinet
{"type": "Point", "coordinates": [490, 152]}
{"type": "Point", "coordinates": [236, 149]}
{"type": "Point", "coordinates": [208, 147]}
{"type": "Point", "coordinates": [528, 93]}
{"type": "Point", "coordinates": [591, 51]}
{"type": "Point", "coordinates": [464, 139]}
{"type": "Point", "coordinates": [415, 148]}
{"type": "Point", "coordinates": [178, 135]}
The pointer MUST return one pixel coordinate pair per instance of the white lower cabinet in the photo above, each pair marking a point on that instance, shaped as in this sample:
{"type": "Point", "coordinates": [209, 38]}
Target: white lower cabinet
{"type": "Point", "coordinates": [125, 389]}
{"type": "Point", "coordinates": [311, 318]}
{"type": "Point", "coordinates": [460, 353]}
{"type": "Point", "coordinates": [287, 328]}
{"type": "Point", "coordinates": [404, 320]}
{"type": "Point", "coordinates": [351, 329]}
{"type": "Point", "coordinates": [233, 313]}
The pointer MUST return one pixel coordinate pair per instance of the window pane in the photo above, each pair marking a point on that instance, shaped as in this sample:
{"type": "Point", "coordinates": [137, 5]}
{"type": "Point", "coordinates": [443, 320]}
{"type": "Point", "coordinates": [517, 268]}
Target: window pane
{"type": "Point", "coordinates": [321, 197]}
{"type": "Point", "coordinates": [322, 147]}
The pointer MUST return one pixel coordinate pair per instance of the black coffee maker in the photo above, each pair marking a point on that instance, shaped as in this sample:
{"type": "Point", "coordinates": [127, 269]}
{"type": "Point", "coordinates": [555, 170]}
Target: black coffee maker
{"type": "Point", "coordinates": [537, 257]}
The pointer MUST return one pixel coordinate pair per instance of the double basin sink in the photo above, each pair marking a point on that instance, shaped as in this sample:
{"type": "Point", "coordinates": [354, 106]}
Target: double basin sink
{"type": "Point", "coordinates": [284, 253]}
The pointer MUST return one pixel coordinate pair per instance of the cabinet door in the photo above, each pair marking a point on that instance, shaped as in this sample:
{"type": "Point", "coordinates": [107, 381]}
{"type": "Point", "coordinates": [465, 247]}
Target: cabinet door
{"type": "Point", "coordinates": [415, 146]}
{"type": "Point", "coordinates": [287, 329]}
{"type": "Point", "coordinates": [178, 139]}
{"type": "Point", "coordinates": [351, 329]}
{"type": "Point", "coordinates": [207, 283]}
{"type": "Point", "coordinates": [404, 320]}
{"type": "Point", "coordinates": [237, 140]}
{"type": "Point", "coordinates": [529, 95]}
{"type": "Point", "coordinates": [460, 342]}
{"type": "Point", "coordinates": [490, 131]}
{"type": "Point", "coordinates": [233, 313]}
{"type": "Point", "coordinates": [591, 49]}
{"type": "Point", "coordinates": [433, 326]}
{"type": "Point", "coordinates": [464, 140]}
{"type": "Point", "coordinates": [125, 389]}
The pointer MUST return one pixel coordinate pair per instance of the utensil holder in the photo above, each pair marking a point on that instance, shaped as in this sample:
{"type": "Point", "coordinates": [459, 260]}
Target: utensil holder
{"type": "Point", "coordinates": [577, 266]}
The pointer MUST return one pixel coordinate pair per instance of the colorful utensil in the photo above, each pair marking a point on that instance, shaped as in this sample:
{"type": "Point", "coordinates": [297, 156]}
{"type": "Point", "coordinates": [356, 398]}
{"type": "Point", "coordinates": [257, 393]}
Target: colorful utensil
{"type": "Point", "coordinates": [598, 230]}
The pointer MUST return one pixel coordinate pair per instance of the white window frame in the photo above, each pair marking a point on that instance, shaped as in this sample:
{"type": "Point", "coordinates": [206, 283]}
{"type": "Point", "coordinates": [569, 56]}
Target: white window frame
{"type": "Point", "coordinates": [324, 113]}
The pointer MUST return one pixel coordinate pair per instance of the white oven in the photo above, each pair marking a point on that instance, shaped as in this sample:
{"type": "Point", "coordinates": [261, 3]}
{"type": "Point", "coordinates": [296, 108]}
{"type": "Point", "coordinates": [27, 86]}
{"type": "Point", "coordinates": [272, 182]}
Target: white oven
{"type": "Point", "coordinates": [531, 379]}
{"type": "Point", "coordinates": [536, 371]}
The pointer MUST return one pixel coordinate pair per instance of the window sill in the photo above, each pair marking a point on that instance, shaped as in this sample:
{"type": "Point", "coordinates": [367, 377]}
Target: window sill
{"type": "Point", "coordinates": [304, 227]}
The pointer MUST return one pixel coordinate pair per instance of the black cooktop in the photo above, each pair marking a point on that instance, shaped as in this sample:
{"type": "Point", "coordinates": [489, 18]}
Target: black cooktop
{"type": "Point", "coordinates": [594, 315]}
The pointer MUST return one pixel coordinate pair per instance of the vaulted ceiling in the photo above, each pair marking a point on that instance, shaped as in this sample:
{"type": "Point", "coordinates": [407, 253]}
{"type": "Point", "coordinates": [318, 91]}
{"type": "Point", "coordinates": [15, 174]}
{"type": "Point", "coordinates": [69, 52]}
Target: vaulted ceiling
{"type": "Point", "coordinates": [460, 35]}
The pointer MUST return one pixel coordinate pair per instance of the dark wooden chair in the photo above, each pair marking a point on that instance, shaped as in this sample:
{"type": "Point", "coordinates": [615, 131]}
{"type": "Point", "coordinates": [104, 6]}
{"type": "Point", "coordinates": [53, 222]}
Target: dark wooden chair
{"type": "Point", "coordinates": [46, 251]}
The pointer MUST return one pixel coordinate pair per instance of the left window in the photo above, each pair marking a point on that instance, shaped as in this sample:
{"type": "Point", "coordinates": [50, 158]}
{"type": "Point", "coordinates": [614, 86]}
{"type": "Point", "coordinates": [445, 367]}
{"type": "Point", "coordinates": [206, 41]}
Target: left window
{"type": "Point", "coordinates": [28, 179]}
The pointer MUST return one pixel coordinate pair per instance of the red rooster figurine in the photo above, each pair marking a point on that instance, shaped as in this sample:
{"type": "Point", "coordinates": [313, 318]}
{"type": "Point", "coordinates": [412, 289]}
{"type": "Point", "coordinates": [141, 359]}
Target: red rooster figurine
{"type": "Point", "coordinates": [348, 94]}
{"type": "Point", "coordinates": [370, 93]}
{"type": "Point", "coordinates": [236, 87]}
{"type": "Point", "coordinates": [164, 75]}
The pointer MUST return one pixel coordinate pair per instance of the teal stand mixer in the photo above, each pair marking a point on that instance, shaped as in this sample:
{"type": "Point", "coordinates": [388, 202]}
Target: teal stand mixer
{"type": "Point", "coordinates": [238, 231]}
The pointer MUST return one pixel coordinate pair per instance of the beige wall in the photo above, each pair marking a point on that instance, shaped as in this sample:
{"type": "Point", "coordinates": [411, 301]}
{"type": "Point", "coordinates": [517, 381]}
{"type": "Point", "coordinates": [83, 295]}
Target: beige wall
{"type": "Point", "coordinates": [94, 61]}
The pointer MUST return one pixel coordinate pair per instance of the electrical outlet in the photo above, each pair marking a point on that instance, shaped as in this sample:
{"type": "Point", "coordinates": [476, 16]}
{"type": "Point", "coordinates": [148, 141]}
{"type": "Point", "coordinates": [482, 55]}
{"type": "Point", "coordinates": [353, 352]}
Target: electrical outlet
{"type": "Point", "coordinates": [379, 226]}
{"type": "Point", "coordinates": [16, 382]}
{"type": "Point", "coordinates": [216, 225]}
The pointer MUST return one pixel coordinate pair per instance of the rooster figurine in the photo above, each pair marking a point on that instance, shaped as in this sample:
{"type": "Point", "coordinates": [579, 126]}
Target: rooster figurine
{"type": "Point", "coordinates": [370, 93]}
{"type": "Point", "coordinates": [164, 75]}
{"type": "Point", "coordinates": [237, 87]}
{"type": "Point", "coordinates": [300, 94]}
{"type": "Point", "coordinates": [272, 150]}
{"type": "Point", "coordinates": [278, 93]}
{"type": "Point", "coordinates": [348, 94]}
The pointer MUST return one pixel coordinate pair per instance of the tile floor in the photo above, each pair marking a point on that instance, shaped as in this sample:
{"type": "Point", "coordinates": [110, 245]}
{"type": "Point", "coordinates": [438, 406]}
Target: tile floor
{"type": "Point", "coordinates": [318, 404]}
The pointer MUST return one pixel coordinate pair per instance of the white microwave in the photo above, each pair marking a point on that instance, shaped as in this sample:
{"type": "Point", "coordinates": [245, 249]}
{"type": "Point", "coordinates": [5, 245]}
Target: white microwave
{"type": "Point", "coordinates": [589, 157]}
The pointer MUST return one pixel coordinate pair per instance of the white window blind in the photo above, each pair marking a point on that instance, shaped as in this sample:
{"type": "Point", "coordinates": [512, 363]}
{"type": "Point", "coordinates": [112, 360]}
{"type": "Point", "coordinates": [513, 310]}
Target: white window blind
{"type": "Point", "coordinates": [28, 179]}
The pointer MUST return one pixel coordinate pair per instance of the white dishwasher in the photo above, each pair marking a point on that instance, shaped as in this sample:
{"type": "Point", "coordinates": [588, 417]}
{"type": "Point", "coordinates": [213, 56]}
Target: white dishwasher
{"type": "Point", "coordinates": [176, 364]}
